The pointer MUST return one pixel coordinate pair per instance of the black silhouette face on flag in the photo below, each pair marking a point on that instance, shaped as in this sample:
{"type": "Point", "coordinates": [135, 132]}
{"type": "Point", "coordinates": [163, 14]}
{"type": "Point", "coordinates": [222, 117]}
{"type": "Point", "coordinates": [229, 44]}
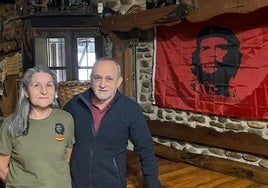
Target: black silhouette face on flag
{"type": "Point", "coordinates": [215, 60]}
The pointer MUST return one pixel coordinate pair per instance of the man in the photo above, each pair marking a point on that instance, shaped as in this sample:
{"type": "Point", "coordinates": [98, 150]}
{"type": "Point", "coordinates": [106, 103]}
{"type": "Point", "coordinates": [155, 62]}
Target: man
{"type": "Point", "coordinates": [104, 122]}
{"type": "Point", "coordinates": [216, 60]}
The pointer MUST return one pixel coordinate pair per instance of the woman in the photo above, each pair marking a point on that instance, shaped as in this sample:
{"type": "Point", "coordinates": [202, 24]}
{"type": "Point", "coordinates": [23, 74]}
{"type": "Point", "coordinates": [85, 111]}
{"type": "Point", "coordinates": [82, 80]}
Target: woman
{"type": "Point", "coordinates": [36, 141]}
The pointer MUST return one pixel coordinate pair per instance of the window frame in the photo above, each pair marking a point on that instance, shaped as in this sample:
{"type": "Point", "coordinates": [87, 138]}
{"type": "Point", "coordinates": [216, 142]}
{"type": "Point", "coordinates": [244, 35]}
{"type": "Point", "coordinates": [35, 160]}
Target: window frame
{"type": "Point", "coordinates": [70, 34]}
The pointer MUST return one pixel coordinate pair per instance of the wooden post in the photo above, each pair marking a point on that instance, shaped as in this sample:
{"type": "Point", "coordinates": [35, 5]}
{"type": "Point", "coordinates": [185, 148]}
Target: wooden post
{"type": "Point", "coordinates": [123, 53]}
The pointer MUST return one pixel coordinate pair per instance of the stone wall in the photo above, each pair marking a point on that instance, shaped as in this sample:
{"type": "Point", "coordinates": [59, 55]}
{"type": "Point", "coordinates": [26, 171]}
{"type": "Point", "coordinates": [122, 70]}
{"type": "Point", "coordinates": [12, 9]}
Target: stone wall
{"type": "Point", "coordinates": [144, 72]}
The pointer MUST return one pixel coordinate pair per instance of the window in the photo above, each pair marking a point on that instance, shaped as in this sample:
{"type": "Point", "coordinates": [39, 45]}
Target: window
{"type": "Point", "coordinates": [71, 53]}
{"type": "Point", "coordinates": [86, 56]}
{"type": "Point", "coordinates": [56, 58]}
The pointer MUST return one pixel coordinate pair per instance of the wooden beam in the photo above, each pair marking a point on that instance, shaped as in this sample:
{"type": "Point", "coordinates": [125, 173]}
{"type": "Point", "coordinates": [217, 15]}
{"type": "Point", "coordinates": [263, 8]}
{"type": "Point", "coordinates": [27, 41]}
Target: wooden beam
{"type": "Point", "coordinates": [224, 166]}
{"type": "Point", "coordinates": [120, 51]}
{"type": "Point", "coordinates": [128, 72]}
{"type": "Point", "coordinates": [207, 9]}
{"type": "Point", "coordinates": [142, 20]}
{"type": "Point", "coordinates": [198, 10]}
{"type": "Point", "coordinates": [244, 142]}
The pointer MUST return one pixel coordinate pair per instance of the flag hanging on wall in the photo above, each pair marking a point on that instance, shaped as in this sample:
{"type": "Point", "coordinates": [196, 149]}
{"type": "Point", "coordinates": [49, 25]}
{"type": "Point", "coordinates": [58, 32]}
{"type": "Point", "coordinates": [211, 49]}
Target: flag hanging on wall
{"type": "Point", "coordinates": [219, 66]}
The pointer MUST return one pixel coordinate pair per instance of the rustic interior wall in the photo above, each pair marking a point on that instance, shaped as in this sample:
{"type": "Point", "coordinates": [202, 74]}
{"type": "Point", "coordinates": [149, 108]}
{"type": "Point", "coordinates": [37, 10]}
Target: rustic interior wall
{"type": "Point", "coordinates": [144, 72]}
{"type": "Point", "coordinates": [10, 54]}
{"type": "Point", "coordinates": [10, 24]}
{"type": "Point", "coordinates": [11, 31]}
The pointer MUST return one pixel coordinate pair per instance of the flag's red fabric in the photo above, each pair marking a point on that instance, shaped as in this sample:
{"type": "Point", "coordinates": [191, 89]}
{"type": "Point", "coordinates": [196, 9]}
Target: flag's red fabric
{"type": "Point", "coordinates": [177, 86]}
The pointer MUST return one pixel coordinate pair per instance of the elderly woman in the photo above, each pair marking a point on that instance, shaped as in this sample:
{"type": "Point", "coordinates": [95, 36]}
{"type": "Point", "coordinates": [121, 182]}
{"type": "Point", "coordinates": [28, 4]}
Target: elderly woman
{"type": "Point", "coordinates": [33, 152]}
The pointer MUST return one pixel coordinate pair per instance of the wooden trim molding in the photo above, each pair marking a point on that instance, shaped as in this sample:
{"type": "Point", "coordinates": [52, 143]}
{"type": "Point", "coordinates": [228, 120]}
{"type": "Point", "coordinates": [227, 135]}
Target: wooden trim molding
{"type": "Point", "coordinates": [244, 142]}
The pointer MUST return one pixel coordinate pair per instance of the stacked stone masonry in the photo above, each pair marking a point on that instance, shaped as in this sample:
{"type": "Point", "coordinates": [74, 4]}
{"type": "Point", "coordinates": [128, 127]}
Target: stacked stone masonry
{"type": "Point", "coordinates": [144, 71]}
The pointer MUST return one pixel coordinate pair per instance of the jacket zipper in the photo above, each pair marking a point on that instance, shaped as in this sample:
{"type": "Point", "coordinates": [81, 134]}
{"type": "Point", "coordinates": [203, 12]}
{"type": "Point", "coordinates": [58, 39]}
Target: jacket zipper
{"type": "Point", "coordinates": [117, 170]}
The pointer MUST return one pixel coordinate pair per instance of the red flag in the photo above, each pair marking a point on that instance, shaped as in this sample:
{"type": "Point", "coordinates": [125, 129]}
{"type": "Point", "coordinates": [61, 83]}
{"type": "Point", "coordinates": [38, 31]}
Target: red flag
{"type": "Point", "coordinates": [216, 67]}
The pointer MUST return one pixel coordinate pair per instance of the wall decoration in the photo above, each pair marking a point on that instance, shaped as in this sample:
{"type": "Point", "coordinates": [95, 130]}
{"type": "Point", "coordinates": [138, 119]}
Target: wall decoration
{"type": "Point", "coordinates": [219, 66]}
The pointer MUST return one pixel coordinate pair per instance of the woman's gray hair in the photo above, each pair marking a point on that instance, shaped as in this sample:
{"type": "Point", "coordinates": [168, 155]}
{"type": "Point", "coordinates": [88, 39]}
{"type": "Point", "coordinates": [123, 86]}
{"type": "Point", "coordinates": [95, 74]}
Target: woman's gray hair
{"type": "Point", "coordinates": [20, 122]}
